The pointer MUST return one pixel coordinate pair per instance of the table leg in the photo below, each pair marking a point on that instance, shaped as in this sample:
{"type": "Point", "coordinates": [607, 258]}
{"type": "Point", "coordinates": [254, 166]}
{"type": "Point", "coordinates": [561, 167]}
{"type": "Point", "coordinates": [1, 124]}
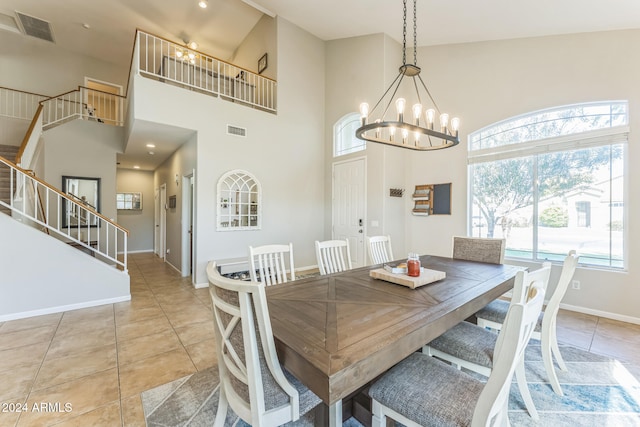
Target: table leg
{"type": "Point", "coordinates": [335, 414]}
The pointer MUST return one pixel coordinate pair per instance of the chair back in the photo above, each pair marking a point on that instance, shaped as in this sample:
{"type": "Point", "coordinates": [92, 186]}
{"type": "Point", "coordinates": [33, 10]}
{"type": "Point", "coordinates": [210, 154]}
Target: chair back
{"type": "Point", "coordinates": [568, 269]}
{"type": "Point", "coordinates": [491, 408]}
{"type": "Point", "coordinates": [270, 261]}
{"type": "Point", "coordinates": [333, 256]}
{"type": "Point", "coordinates": [252, 382]}
{"type": "Point", "coordinates": [479, 249]}
{"type": "Point", "coordinates": [539, 277]}
{"type": "Point", "coordinates": [379, 248]}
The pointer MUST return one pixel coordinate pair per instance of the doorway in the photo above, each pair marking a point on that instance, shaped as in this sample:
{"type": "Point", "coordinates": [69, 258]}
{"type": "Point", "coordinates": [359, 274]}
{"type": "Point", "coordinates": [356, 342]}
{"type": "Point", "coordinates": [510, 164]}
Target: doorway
{"type": "Point", "coordinates": [99, 103]}
{"type": "Point", "coordinates": [349, 206]}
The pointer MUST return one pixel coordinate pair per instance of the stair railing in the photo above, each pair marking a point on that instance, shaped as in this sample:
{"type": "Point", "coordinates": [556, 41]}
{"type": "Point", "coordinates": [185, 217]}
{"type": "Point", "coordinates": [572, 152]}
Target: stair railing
{"type": "Point", "coordinates": [19, 104]}
{"type": "Point", "coordinates": [96, 233]}
{"type": "Point", "coordinates": [170, 62]}
{"type": "Point", "coordinates": [30, 141]}
{"type": "Point", "coordinates": [84, 103]}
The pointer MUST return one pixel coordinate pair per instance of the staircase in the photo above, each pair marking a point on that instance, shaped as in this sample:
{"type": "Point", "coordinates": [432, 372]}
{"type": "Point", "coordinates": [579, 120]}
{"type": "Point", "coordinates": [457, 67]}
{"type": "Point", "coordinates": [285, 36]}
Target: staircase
{"type": "Point", "coordinates": [8, 152]}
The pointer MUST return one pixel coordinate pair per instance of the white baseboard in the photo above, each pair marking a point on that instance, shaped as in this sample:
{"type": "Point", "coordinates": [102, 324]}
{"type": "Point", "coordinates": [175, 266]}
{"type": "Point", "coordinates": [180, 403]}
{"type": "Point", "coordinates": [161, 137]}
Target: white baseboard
{"type": "Point", "coordinates": [306, 268]}
{"type": "Point", "coordinates": [201, 285]}
{"type": "Point", "coordinates": [600, 313]}
{"type": "Point", "coordinates": [61, 308]}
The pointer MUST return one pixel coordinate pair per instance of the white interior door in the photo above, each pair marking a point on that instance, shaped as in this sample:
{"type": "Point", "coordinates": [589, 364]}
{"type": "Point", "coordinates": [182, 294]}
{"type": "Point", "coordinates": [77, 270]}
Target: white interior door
{"type": "Point", "coordinates": [156, 223]}
{"type": "Point", "coordinates": [349, 206]}
{"type": "Point", "coordinates": [187, 225]}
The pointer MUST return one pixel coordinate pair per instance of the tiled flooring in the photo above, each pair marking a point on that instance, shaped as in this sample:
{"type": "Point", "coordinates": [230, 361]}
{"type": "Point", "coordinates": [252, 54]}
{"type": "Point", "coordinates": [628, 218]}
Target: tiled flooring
{"type": "Point", "coordinates": [99, 360]}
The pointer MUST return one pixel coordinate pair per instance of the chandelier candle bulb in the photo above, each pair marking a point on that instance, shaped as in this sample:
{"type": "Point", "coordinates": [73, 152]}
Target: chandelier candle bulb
{"type": "Point", "coordinates": [400, 103]}
{"type": "Point", "coordinates": [444, 122]}
{"type": "Point", "coordinates": [364, 112]}
{"type": "Point", "coordinates": [417, 112]}
{"type": "Point", "coordinates": [455, 125]}
{"type": "Point", "coordinates": [392, 132]}
{"type": "Point", "coordinates": [431, 115]}
{"type": "Point", "coordinates": [405, 135]}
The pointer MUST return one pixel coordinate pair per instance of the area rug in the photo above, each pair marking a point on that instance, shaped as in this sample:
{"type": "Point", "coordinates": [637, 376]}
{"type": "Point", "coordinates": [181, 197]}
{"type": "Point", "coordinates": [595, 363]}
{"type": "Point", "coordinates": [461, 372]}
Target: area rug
{"type": "Point", "coordinates": [598, 391]}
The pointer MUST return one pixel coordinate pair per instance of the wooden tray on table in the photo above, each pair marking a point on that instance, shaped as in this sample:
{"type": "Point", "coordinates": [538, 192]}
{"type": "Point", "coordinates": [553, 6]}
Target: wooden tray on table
{"type": "Point", "coordinates": [426, 276]}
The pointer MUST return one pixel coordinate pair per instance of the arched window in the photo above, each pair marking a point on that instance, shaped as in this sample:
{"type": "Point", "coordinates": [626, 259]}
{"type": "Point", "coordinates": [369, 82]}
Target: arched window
{"type": "Point", "coordinates": [239, 201]}
{"type": "Point", "coordinates": [551, 181]}
{"type": "Point", "coordinates": [344, 135]}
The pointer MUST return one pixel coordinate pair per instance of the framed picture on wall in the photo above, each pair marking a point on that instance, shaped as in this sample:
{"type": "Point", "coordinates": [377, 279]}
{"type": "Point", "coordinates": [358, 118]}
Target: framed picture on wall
{"type": "Point", "coordinates": [262, 63]}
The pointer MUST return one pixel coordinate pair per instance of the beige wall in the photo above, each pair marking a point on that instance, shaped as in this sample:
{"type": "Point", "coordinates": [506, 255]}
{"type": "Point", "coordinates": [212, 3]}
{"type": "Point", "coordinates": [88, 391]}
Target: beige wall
{"type": "Point", "coordinates": [262, 39]}
{"type": "Point", "coordinates": [138, 222]}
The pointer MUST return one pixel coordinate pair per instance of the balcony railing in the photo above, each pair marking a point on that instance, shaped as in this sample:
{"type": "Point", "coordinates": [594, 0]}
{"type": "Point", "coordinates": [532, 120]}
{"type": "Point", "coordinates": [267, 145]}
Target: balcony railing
{"type": "Point", "coordinates": [85, 103]}
{"type": "Point", "coordinates": [33, 201]}
{"type": "Point", "coordinates": [18, 104]}
{"type": "Point", "coordinates": [170, 62]}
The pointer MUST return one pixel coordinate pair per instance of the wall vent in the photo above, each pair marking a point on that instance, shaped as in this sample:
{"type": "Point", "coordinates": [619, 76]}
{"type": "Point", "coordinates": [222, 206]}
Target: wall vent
{"type": "Point", "coordinates": [36, 27]}
{"type": "Point", "coordinates": [237, 131]}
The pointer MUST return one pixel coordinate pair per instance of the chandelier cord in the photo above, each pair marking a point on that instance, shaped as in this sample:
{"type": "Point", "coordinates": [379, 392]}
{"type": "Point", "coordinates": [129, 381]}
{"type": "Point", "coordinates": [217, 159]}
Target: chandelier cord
{"type": "Point", "coordinates": [415, 36]}
{"type": "Point", "coordinates": [404, 32]}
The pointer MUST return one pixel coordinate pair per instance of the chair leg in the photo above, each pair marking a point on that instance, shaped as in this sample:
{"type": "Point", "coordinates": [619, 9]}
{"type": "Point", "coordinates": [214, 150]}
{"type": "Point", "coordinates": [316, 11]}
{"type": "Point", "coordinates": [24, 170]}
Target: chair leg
{"type": "Point", "coordinates": [378, 419]}
{"type": "Point", "coordinates": [221, 413]}
{"type": "Point", "coordinates": [549, 344]}
{"type": "Point", "coordinates": [521, 379]}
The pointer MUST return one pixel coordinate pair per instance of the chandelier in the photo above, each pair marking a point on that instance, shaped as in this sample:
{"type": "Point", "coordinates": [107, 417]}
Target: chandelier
{"type": "Point", "coordinates": [422, 133]}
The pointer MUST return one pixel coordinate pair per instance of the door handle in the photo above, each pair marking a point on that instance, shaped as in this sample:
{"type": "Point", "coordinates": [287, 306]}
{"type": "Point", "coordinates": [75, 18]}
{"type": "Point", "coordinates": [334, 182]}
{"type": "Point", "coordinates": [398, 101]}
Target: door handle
{"type": "Point", "coordinates": [360, 231]}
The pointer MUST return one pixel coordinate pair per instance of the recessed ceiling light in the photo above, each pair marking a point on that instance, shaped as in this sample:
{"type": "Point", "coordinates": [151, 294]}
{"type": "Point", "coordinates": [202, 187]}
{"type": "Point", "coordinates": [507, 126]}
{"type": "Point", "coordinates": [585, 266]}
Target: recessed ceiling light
{"type": "Point", "coordinates": [151, 153]}
{"type": "Point", "coordinates": [203, 4]}
{"type": "Point", "coordinates": [136, 167]}
{"type": "Point", "coordinates": [86, 26]}
{"type": "Point", "coordinates": [151, 145]}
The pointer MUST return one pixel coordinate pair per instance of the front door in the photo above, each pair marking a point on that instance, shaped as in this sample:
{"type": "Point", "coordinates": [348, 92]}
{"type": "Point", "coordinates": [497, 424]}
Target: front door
{"type": "Point", "coordinates": [349, 202]}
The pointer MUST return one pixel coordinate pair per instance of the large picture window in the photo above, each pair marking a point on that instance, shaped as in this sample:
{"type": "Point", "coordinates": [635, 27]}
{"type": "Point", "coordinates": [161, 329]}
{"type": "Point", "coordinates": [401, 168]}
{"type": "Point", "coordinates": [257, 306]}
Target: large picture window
{"type": "Point", "coordinates": [552, 181]}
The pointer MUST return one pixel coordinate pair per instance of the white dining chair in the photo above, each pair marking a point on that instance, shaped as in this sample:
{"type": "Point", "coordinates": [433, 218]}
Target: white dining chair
{"type": "Point", "coordinates": [480, 249]}
{"type": "Point", "coordinates": [379, 248]}
{"type": "Point", "coordinates": [252, 382]}
{"type": "Point", "coordinates": [424, 391]}
{"type": "Point", "coordinates": [333, 256]}
{"type": "Point", "coordinates": [271, 263]}
{"type": "Point", "coordinates": [472, 347]}
{"type": "Point", "coordinates": [494, 313]}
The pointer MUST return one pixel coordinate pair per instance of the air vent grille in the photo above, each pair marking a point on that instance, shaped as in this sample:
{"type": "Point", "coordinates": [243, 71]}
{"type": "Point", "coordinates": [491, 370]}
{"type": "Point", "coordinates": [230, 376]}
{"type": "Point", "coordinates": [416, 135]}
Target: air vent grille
{"type": "Point", "coordinates": [36, 27]}
{"type": "Point", "coordinates": [237, 131]}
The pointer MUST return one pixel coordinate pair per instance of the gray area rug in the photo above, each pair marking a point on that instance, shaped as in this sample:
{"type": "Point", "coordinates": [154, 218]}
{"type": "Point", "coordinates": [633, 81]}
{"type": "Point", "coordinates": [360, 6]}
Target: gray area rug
{"type": "Point", "coordinates": [598, 391]}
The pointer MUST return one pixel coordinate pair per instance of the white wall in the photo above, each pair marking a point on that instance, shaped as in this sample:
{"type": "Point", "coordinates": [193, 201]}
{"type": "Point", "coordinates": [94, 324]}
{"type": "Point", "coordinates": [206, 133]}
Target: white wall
{"type": "Point", "coordinates": [48, 69]}
{"type": "Point", "coordinates": [486, 82]}
{"type": "Point", "coordinates": [42, 275]}
{"type": "Point", "coordinates": [285, 152]}
{"type": "Point", "coordinates": [138, 222]}
{"type": "Point", "coordinates": [262, 39]}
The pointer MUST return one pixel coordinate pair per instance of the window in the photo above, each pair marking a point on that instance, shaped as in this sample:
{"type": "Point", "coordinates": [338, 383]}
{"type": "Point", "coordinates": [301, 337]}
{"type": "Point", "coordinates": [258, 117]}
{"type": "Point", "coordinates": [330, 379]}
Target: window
{"type": "Point", "coordinates": [239, 202]}
{"type": "Point", "coordinates": [344, 136]}
{"type": "Point", "coordinates": [551, 181]}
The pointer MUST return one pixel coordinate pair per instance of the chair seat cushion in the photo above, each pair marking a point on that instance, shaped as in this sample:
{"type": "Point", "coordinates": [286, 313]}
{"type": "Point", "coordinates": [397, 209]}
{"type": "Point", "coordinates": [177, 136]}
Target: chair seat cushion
{"type": "Point", "coordinates": [468, 342]}
{"type": "Point", "coordinates": [496, 311]}
{"type": "Point", "coordinates": [428, 391]}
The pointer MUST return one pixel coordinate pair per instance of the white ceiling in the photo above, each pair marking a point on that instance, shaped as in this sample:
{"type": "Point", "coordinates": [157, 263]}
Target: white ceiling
{"type": "Point", "coordinates": [221, 27]}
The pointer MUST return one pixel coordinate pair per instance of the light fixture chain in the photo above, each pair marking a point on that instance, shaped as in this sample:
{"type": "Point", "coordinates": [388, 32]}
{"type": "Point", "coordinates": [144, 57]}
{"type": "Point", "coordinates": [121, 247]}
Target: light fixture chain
{"type": "Point", "coordinates": [404, 32]}
{"type": "Point", "coordinates": [415, 36]}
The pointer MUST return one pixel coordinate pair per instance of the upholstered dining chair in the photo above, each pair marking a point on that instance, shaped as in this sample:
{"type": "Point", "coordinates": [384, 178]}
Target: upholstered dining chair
{"type": "Point", "coordinates": [494, 313]}
{"type": "Point", "coordinates": [423, 391]}
{"type": "Point", "coordinates": [272, 263]}
{"type": "Point", "coordinates": [481, 249]}
{"type": "Point", "coordinates": [379, 248]}
{"type": "Point", "coordinates": [472, 347]}
{"type": "Point", "coordinates": [333, 256]}
{"type": "Point", "coordinates": [252, 382]}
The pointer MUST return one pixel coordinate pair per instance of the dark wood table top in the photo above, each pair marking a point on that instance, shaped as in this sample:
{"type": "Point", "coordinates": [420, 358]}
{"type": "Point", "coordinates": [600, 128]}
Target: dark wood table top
{"type": "Point", "coordinates": [338, 332]}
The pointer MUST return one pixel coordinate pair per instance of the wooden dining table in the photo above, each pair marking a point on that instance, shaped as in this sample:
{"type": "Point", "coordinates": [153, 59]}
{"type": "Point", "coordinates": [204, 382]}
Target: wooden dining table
{"type": "Point", "coordinates": [337, 333]}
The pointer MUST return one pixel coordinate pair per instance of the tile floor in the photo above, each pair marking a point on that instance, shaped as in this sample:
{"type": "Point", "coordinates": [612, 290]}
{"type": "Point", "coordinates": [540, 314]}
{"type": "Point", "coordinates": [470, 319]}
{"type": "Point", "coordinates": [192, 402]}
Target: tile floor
{"type": "Point", "coordinates": [88, 367]}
